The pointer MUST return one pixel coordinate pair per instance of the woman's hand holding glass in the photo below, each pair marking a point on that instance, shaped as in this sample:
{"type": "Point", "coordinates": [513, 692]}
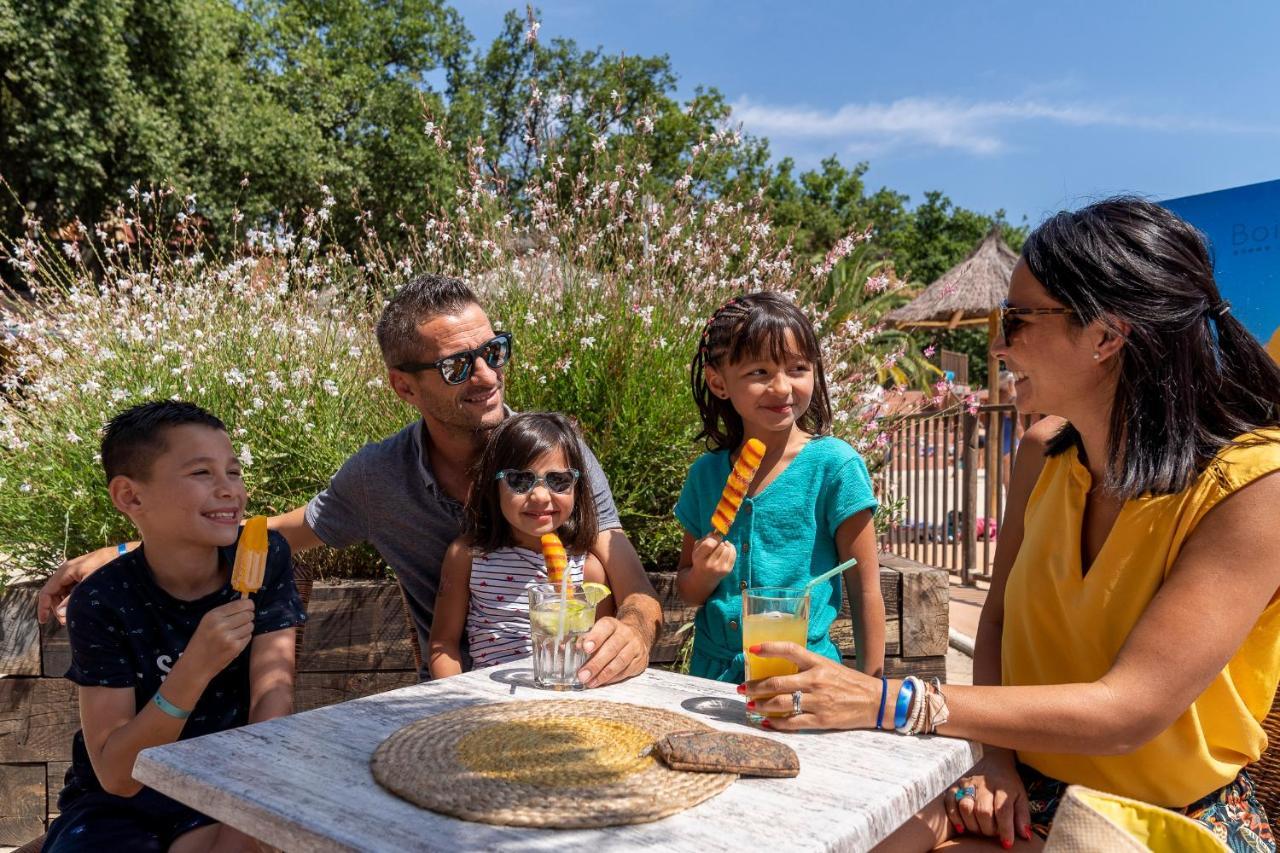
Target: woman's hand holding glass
{"type": "Point", "coordinates": [832, 696]}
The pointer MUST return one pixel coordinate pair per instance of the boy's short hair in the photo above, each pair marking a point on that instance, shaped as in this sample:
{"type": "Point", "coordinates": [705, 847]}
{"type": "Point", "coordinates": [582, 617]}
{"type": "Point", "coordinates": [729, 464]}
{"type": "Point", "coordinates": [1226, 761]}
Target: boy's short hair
{"type": "Point", "coordinates": [135, 437]}
{"type": "Point", "coordinates": [425, 297]}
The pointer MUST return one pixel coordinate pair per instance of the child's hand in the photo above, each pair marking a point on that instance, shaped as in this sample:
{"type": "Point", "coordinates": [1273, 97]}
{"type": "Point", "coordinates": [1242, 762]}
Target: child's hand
{"type": "Point", "coordinates": [221, 635]}
{"type": "Point", "coordinates": [714, 556]}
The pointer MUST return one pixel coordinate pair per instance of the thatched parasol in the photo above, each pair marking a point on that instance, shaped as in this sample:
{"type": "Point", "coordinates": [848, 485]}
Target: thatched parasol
{"type": "Point", "coordinates": [966, 294]}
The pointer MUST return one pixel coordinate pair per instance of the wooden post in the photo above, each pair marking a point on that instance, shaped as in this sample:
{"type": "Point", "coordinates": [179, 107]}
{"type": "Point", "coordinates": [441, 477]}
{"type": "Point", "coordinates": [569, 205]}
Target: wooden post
{"type": "Point", "coordinates": [995, 441]}
{"type": "Point", "coordinates": [970, 502]}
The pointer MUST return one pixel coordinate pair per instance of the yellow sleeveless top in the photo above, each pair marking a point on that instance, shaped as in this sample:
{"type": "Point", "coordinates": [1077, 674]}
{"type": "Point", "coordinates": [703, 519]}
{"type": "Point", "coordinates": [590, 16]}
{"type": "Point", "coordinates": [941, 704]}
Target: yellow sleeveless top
{"type": "Point", "coordinates": [1061, 627]}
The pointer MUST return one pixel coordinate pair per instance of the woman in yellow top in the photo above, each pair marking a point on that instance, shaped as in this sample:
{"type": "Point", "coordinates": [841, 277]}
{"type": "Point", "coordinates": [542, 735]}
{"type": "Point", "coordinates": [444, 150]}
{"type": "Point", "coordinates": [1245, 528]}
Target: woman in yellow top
{"type": "Point", "coordinates": [1133, 622]}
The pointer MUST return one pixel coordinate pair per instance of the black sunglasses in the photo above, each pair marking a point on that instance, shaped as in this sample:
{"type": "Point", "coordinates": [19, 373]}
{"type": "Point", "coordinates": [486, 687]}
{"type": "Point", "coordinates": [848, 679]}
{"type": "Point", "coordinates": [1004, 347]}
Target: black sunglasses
{"type": "Point", "coordinates": [522, 482]}
{"type": "Point", "coordinates": [456, 369]}
{"type": "Point", "coordinates": [1009, 322]}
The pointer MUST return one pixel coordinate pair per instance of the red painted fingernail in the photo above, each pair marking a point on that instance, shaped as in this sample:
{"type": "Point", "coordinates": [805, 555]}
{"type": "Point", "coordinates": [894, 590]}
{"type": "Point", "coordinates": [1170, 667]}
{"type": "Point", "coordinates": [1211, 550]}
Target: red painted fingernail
{"type": "Point", "coordinates": [755, 650]}
{"type": "Point", "coordinates": [1006, 844]}
{"type": "Point", "coordinates": [742, 688]}
{"type": "Point", "coordinates": [751, 704]}
{"type": "Point", "coordinates": [1026, 832]}
{"type": "Point", "coordinates": [766, 724]}
{"type": "Point", "coordinates": [959, 829]}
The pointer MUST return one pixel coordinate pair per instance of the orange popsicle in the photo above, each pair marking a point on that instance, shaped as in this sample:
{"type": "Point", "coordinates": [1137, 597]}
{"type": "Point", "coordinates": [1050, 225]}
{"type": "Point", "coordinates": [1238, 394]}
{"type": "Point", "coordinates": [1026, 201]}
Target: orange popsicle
{"type": "Point", "coordinates": [744, 471]}
{"type": "Point", "coordinates": [251, 557]}
{"type": "Point", "coordinates": [555, 557]}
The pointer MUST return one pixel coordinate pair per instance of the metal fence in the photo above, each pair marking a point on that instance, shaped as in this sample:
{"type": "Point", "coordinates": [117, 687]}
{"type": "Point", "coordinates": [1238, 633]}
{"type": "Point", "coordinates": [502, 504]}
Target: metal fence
{"type": "Point", "coordinates": [950, 471]}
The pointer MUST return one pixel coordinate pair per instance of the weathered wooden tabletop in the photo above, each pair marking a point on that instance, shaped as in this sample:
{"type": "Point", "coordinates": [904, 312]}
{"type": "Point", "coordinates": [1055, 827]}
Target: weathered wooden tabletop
{"type": "Point", "coordinates": [303, 782]}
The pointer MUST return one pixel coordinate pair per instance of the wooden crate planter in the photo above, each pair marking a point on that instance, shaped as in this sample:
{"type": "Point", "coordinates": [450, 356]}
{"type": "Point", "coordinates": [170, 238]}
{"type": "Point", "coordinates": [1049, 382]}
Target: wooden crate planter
{"type": "Point", "coordinates": [357, 642]}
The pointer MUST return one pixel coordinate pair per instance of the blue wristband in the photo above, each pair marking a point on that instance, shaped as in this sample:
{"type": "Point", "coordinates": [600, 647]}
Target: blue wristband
{"type": "Point", "coordinates": [904, 704]}
{"type": "Point", "coordinates": [884, 693]}
{"type": "Point", "coordinates": [122, 548]}
{"type": "Point", "coordinates": [169, 708]}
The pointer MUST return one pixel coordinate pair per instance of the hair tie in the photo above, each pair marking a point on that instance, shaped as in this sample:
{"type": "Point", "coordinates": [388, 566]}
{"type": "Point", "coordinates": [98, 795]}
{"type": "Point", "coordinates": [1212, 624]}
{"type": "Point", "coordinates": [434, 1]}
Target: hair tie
{"type": "Point", "coordinates": [1222, 309]}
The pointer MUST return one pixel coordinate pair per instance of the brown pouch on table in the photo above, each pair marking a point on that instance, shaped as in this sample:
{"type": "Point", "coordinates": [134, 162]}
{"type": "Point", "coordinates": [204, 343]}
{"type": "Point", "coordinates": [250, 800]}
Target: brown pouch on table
{"type": "Point", "coordinates": [727, 752]}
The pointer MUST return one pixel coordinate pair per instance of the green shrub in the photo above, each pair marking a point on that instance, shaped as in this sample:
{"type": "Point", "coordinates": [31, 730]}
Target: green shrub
{"type": "Point", "coordinates": [606, 279]}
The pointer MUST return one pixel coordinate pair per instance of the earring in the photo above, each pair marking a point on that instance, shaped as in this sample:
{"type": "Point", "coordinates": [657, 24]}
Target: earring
{"type": "Point", "coordinates": [1097, 355]}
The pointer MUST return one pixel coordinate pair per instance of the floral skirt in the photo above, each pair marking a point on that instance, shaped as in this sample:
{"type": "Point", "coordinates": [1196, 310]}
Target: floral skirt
{"type": "Point", "coordinates": [1232, 812]}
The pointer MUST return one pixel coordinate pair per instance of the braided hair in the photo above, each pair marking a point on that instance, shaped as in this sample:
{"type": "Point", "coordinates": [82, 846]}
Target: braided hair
{"type": "Point", "coordinates": [746, 327]}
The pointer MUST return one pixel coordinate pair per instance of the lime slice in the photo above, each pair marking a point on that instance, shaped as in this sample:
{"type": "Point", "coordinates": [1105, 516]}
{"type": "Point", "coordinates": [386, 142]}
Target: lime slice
{"type": "Point", "coordinates": [595, 593]}
{"type": "Point", "coordinates": [579, 617]}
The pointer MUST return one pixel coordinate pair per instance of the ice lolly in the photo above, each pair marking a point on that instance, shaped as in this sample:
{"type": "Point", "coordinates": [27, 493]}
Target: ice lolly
{"type": "Point", "coordinates": [744, 471]}
{"type": "Point", "coordinates": [251, 557]}
{"type": "Point", "coordinates": [555, 557]}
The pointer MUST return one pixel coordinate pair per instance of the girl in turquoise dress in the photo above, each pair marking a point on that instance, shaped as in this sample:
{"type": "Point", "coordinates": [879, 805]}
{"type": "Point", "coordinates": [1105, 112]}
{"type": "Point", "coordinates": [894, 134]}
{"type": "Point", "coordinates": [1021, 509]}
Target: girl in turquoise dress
{"type": "Point", "coordinates": [758, 374]}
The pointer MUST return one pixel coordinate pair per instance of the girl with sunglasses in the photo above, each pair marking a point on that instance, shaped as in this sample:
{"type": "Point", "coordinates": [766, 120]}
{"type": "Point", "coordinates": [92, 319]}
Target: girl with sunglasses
{"type": "Point", "coordinates": [758, 374]}
{"type": "Point", "coordinates": [528, 482]}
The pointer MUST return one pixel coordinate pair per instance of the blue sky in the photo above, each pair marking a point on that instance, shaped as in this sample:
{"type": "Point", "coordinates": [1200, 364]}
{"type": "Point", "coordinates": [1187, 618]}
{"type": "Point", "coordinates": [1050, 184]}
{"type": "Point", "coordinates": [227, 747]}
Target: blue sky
{"type": "Point", "coordinates": [1022, 106]}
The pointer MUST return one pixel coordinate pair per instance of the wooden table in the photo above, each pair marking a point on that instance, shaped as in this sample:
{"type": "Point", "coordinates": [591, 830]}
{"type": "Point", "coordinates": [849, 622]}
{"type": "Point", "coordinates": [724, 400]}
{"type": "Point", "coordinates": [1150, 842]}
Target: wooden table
{"type": "Point", "coordinates": [303, 782]}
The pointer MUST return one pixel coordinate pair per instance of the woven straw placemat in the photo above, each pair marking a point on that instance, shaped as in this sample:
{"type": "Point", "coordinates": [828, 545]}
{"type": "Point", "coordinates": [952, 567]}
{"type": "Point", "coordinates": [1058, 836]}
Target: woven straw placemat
{"type": "Point", "coordinates": [571, 764]}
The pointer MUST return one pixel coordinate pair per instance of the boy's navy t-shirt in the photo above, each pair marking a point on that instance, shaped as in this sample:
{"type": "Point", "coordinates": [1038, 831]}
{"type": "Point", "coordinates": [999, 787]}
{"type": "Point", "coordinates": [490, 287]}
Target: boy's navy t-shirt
{"type": "Point", "coordinates": [126, 631]}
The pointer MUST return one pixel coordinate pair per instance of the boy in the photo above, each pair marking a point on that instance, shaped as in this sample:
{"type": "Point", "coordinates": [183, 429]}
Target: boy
{"type": "Point", "coordinates": [162, 647]}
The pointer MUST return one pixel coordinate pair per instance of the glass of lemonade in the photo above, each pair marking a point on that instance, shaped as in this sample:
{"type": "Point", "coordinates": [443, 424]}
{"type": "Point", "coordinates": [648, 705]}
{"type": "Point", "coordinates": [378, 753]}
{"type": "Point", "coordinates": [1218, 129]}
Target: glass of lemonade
{"type": "Point", "coordinates": [772, 615]}
{"type": "Point", "coordinates": [556, 626]}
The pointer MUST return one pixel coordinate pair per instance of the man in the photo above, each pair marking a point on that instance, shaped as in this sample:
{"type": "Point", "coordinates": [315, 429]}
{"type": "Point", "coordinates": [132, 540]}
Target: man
{"type": "Point", "coordinates": [405, 494]}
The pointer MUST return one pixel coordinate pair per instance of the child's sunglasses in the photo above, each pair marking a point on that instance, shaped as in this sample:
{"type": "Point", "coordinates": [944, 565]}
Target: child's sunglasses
{"type": "Point", "coordinates": [456, 369]}
{"type": "Point", "coordinates": [1009, 322]}
{"type": "Point", "coordinates": [522, 482]}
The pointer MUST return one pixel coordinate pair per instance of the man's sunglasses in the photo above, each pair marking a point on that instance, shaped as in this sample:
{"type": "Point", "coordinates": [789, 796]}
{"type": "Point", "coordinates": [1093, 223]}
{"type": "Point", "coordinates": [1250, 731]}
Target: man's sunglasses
{"type": "Point", "coordinates": [456, 369]}
{"type": "Point", "coordinates": [522, 482]}
{"type": "Point", "coordinates": [1009, 322]}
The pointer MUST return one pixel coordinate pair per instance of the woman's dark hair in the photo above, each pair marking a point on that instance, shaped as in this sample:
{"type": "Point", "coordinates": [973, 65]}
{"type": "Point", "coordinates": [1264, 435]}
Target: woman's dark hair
{"type": "Point", "coordinates": [749, 327]}
{"type": "Point", "coordinates": [516, 443]}
{"type": "Point", "coordinates": [1191, 378]}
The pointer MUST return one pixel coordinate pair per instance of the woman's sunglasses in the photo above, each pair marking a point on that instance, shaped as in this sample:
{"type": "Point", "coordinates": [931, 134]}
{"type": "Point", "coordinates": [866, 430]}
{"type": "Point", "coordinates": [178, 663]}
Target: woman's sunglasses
{"type": "Point", "coordinates": [456, 369]}
{"type": "Point", "coordinates": [1009, 322]}
{"type": "Point", "coordinates": [522, 482]}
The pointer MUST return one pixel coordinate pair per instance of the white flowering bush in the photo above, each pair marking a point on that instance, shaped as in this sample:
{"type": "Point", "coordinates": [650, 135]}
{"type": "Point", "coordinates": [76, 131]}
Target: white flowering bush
{"type": "Point", "coordinates": [605, 277]}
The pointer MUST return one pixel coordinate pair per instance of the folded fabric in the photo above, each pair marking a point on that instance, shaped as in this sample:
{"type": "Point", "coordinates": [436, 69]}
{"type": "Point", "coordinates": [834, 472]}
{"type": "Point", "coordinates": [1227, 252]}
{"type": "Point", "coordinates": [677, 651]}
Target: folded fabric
{"type": "Point", "coordinates": [727, 752]}
{"type": "Point", "coordinates": [1089, 820]}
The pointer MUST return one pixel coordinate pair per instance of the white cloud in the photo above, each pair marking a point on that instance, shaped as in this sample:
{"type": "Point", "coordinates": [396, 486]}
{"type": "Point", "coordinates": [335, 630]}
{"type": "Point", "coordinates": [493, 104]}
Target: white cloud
{"type": "Point", "coordinates": [978, 127]}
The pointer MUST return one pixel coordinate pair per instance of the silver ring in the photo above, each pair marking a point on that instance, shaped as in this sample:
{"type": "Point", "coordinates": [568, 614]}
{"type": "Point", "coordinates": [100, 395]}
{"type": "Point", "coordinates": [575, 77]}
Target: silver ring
{"type": "Point", "coordinates": [795, 702]}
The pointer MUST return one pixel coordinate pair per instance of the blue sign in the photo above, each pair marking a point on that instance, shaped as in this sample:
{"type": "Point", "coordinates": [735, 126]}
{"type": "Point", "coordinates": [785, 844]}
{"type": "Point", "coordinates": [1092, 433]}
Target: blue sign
{"type": "Point", "coordinates": [1243, 227]}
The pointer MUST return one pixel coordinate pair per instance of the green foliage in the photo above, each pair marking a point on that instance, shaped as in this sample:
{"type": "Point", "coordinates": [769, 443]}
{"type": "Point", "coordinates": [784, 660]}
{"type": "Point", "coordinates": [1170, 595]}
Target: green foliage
{"type": "Point", "coordinates": [605, 290]}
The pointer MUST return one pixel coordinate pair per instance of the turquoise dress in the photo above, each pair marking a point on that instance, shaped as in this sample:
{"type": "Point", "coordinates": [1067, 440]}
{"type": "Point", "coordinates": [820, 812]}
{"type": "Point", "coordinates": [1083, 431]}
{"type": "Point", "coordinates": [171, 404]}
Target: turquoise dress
{"type": "Point", "coordinates": [784, 536]}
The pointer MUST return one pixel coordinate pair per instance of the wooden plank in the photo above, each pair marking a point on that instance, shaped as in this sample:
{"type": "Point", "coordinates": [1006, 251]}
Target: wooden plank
{"type": "Point", "coordinates": [355, 626]}
{"type": "Point", "coordinates": [38, 718]}
{"type": "Point", "coordinates": [318, 689]}
{"type": "Point", "coordinates": [22, 802]}
{"type": "Point", "coordinates": [303, 782]}
{"type": "Point", "coordinates": [926, 594]}
{"type": "Point", "coordinates": [842, 635]}
{"type": "Point", "coordinates": [934, 666]}
{"type": "Point", "coordinates": [675, 613]}
{"type": "Point", "coordinates": [19, 631]}
{"type": "Point", "coordinates": [55, 781]}
{"type": "Point", "coordinates": [55, 649]}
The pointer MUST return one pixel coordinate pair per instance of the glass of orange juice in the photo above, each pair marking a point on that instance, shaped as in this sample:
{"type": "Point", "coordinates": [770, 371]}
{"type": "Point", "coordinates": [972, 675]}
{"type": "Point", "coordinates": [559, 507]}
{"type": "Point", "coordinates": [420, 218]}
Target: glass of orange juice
{"type": "Point", "coordinates": [772, 615]}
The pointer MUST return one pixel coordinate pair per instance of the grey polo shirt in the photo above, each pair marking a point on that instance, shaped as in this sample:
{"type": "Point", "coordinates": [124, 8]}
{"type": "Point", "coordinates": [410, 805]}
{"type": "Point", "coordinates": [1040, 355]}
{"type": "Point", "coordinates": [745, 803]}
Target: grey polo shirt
{"type": "Point", "coordinates": [387, 496]}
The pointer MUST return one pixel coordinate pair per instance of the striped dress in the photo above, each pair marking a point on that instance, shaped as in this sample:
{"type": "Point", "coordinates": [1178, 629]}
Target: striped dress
{"type": "Point", "coordinates": [498, 613]}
